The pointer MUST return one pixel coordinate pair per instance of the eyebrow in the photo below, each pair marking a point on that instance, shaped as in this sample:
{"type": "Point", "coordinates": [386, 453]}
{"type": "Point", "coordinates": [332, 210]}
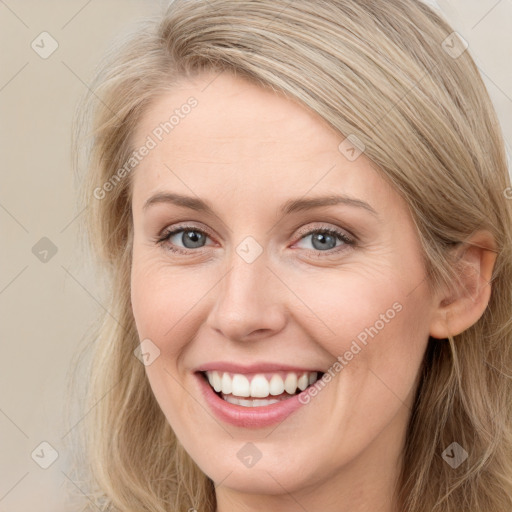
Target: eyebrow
{"type": "Point", "coordinates": [291, 206]}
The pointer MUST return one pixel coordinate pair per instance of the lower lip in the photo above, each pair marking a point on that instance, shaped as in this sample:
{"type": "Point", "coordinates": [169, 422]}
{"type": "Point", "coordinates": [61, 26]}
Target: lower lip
{"type": "Point", "coordinates": [248, 417]}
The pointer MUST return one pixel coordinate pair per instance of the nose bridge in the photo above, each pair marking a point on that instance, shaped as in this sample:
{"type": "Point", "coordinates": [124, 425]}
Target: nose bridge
{"type": "Point", "coordinates": [246, 300]}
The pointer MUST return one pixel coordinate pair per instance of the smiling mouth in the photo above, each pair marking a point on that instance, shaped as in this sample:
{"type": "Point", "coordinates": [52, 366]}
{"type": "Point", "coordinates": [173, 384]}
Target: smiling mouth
{"type": "Point", "coordinates": [259, 389]}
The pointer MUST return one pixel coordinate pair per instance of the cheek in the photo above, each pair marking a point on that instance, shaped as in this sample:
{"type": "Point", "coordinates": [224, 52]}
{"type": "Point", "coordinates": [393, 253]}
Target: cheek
{"type": "Point", "coordinates": [349, 304]}
{"type": "Point", "coordinates": [163, 298]}
{"type": "Point", "coordinates": [375, 326]}
{"type": "Point", "coordinates": [162, 304]}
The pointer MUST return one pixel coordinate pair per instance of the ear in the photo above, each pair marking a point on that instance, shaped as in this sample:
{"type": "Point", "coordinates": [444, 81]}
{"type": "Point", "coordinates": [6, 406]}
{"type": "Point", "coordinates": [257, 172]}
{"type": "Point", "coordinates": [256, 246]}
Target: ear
{"type": "Point", "coordinates": [457, 310]}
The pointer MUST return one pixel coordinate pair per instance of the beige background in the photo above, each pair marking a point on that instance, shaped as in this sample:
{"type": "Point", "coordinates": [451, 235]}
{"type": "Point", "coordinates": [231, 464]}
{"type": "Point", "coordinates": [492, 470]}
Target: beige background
{"type": "Point", "coordinates": [48, 307]}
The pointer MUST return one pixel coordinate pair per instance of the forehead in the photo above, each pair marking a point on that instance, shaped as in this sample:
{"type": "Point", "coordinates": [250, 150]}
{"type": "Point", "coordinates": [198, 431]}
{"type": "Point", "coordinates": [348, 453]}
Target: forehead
{"type": "Point", "coordinates": [240, 138]}
{"type": "Point", "coordinates": [233, 110]}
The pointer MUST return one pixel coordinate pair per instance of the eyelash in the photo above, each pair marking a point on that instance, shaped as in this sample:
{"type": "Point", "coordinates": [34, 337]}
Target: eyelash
{"type": "Point", "coordinates": [347, 241]}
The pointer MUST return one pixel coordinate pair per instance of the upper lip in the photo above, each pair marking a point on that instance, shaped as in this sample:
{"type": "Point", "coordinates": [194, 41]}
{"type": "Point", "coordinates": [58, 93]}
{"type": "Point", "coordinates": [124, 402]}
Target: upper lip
{"type": "Point", "coordinates": [261, 367]}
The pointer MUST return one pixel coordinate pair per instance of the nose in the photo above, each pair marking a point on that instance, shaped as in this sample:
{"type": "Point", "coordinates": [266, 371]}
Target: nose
{"type": "Point", "coordinates": [249, 302]}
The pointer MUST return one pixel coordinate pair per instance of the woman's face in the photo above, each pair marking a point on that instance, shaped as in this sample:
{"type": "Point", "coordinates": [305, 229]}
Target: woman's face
{"type": "Point", "coordinates": [259, 292]}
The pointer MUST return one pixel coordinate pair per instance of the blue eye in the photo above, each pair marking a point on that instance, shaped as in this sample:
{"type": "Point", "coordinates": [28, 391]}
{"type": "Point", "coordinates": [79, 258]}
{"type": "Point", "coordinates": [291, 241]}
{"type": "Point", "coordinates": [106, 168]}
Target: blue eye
{"type": "Point", "coordinates": [191, 235]}
{"type": "Point", "coordinates": [324, 239]}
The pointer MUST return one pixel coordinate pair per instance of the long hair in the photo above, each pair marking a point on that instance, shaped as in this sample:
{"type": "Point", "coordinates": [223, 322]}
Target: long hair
{"type": "Point", "coordinates": [387, 72]}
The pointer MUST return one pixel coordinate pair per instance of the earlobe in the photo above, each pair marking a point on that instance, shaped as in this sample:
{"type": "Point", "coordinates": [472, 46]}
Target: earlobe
{"type": "Point", "coordinates": [460, 308]}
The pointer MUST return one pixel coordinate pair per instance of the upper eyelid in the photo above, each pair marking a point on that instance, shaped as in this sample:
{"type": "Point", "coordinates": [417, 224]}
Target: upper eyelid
{"type": "Point", "coordinates": [324, 227]}
{"type": "Point", "coordinates": [173, 229]}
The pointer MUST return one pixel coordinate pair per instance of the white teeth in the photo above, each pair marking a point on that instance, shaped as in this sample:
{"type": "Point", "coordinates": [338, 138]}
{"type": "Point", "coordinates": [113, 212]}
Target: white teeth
{"type": "Point", "coordinates": [259, 386]}
{"type": "Point", "coordinates": [276, 385]}
{"type": "Point", "coordinates": [290, 383]}
{"type": "Point", "coordinates": [303, 382]}
{"type": "Point", "coordinates": [226, 384]}
{"type": "Point", "coordinates": [239, 385]}
{"type": "Point", "coordinates": [249, 403]}
{"type": "Point", "coordinates": [215, 381]}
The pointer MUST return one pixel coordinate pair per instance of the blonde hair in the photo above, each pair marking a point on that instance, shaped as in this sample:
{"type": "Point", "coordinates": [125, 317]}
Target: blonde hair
{"type": "Point", "coordinates": [377, 70]}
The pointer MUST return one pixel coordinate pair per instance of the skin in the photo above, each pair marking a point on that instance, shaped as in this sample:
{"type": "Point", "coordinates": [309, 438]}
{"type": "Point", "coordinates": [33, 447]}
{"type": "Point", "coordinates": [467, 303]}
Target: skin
{"type": "Point", "coordinates": [247, 151]}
